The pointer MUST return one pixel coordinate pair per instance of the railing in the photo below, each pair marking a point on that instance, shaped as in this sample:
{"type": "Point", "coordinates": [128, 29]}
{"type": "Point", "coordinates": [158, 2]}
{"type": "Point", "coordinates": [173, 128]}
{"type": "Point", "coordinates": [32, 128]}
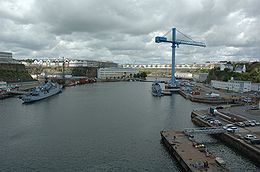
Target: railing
{"type": "Point", "coordinates": [205, 130]}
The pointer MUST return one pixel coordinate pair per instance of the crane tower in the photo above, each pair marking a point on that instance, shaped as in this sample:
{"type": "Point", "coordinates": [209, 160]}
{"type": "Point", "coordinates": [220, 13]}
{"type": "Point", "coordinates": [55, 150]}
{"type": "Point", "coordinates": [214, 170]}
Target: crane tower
{"type": "Point", "coordinates": [176, 42]}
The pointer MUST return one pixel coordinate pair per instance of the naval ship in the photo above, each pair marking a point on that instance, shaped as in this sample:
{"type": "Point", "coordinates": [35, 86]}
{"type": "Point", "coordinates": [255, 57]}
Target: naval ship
{"type": "Point", "coordinates": [38, 93]}
{"type": "Point", "coordinates": [156, 89]}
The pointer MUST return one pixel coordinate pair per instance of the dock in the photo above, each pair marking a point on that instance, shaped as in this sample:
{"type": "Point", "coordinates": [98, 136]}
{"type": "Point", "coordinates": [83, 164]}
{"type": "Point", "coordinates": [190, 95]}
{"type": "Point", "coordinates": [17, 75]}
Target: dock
{"type": "Point", "coordinates": [17, 92]}
{"type": "Point", "coordinates": [166, 92]}
{"type": "Point", "coordinates": [204, 99]}
{"type": "Point", "coordinates": [234, 140]}
{"type": "Point", "coordinates": [190, 155]}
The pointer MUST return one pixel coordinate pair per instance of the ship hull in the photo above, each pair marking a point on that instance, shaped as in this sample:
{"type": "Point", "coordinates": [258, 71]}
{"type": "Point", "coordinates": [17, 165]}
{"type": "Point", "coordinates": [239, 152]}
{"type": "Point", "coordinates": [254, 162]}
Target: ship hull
{"type": "Point", "coordinates": [29, 98]}
{"type": "Point", "coordinates": [156, 89]}
{"type": "Point", "coordinates": [34, 99]}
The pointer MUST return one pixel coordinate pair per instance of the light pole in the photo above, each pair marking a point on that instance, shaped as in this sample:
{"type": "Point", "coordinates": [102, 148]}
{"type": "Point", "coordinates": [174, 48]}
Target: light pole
{"type": "Point", "coordinates": [20, 80]}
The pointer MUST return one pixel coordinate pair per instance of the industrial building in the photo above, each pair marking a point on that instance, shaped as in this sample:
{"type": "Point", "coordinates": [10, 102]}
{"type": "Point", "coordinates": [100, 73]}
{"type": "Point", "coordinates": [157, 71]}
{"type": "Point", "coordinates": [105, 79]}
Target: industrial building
{"type": "Point", "coordinates": [110, 73]}
{"type": "Point", "coordinates": [6, 57]}
{"type": "Point", "coordinates": [168, 66]}
{"type": "Point", "coordinates": [255, 87]}
{"type": "Point", "coordinates": [232, 85]}
{"type": "Point", "coordinates": [70, 63]}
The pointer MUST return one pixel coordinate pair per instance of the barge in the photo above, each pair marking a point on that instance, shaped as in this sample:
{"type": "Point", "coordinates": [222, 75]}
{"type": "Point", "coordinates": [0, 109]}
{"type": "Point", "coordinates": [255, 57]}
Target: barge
{"type": "Point", "coordinates": [190, 155]}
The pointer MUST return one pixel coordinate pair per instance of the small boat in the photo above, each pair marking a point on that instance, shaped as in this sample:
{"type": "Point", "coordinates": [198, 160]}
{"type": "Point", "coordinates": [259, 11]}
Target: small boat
{"type": "Point", "coordinates": [38, 93]}
{"type": "Point", "coordinates": [156, 89]}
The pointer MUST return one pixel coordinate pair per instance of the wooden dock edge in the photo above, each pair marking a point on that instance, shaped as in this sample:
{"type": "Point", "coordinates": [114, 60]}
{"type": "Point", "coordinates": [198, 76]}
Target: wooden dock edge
{"type": "Point", "coordinates": [174, 154]}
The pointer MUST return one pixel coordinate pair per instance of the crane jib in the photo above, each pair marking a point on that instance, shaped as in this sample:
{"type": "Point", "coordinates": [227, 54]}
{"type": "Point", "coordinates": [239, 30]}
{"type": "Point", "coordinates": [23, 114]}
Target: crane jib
{"type": "Point", "coordinates": [174, 42]}
{"type": "Point", "coordinates": [160, 39]}
{"type": "Point", "coordinates": [195, 43]}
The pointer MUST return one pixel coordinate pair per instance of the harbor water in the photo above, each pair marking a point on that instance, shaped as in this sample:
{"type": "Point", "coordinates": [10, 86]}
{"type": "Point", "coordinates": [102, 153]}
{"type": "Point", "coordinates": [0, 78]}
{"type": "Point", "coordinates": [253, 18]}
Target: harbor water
{"type": "Point", "coordinates": [99, 127]}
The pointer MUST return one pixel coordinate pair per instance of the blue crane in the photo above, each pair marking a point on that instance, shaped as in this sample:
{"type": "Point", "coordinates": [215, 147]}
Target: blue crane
{"type": "Point", "coordinates": [174, 42]}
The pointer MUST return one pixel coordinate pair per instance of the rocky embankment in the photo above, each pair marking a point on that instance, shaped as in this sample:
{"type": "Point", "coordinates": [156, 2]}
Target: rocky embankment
{"type": "Point", "coordinates": [14, 73]}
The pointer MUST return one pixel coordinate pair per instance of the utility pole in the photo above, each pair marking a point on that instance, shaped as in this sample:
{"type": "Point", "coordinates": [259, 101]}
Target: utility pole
{"type": "Point", "coordinates": [63, 69]}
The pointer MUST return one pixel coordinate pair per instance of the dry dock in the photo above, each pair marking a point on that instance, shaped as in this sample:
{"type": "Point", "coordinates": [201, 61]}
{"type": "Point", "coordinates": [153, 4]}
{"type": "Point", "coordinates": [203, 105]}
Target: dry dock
{"type": "Point", "coordinates": [189, 154]}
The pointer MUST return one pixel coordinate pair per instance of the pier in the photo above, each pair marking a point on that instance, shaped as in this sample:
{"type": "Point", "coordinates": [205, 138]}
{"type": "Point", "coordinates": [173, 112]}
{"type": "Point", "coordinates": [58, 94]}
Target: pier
{"type": "Point", "coordinates": [234, 139]}
{"type": "Point", "coordinates": [190, 155]}
{"type": "Point", "coordinates": [208, 100]}
{"type": "Point", "coordinates": [18, 92]}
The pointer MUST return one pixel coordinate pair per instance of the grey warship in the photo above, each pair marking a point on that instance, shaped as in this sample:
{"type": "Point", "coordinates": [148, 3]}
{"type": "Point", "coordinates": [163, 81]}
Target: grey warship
{"type": "Point", "coordinates": [38, 93]}
{"type": "Point", "coordinates": [156, 89]}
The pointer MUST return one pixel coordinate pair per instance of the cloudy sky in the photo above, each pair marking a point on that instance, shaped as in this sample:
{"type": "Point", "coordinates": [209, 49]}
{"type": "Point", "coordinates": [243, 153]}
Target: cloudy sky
{"type": "Point", "coordinates": [123, 31]}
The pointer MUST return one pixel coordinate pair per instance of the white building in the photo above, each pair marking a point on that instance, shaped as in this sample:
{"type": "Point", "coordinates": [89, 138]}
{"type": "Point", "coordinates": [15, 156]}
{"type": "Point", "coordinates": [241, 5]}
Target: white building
{"type": "Point", "coordinates": [226, 66]}
{"type": "Point", "coordinates": [255, 87]}
{"type": "Point", "coordinates": [240, 69]}
{"type": "Point", "coordinates": [245, 86]}
{"type": "Point", "coordinates": [168, 66]}
{"type": "Point", "coordinates": [183, 75]}
{"type": "Point", "coordinates": [110, 73]}
{"type": "Point", "coordinates": [6, 57]}
{"type": "Point", "coordinates": [70, 63]}
{"type": "Point", "coordinates": [3, 85]}
{"type": "Point", "coordinates": [78, 63]}
{"type": "Point", "coordinates": [232, 85]}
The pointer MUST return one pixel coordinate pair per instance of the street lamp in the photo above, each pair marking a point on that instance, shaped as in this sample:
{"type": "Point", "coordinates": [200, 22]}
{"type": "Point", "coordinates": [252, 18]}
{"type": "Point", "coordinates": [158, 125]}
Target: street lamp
{"type": "Point", "coordinates": [20, 83]}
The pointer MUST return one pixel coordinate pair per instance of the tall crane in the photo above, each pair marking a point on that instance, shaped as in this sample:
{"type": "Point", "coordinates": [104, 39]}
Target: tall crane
{"type": "Point", "coordinates": [174, 42]}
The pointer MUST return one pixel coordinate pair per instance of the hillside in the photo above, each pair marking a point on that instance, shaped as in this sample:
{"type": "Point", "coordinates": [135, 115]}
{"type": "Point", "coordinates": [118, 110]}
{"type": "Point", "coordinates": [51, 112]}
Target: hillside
{"type": "Point", "coordinates": [252, 73]}
{"type": "Point", "coordinates": [14, 73]}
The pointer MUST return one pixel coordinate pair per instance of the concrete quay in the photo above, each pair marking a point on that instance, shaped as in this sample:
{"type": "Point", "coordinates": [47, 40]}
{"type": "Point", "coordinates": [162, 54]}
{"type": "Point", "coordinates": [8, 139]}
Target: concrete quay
{"type": "Point", "coordinates": [234, 140]}
{"type": "Point", "coordinates": [190, 155]}
{"type": "Point", "coordinates": [207, 100]}
{"type": "Point", "coordinates": [21, 88]}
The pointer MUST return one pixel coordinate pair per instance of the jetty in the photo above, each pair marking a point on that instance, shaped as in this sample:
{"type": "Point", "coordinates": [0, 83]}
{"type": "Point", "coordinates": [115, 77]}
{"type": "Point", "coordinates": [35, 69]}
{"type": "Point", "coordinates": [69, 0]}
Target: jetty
{"type": "Point", "coordinates": [191, 156]}
{"type": "Point", "coordinates": [233, 138]}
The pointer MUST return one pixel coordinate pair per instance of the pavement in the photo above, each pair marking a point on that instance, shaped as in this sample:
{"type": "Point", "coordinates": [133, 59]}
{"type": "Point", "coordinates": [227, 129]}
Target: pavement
{"type": "Point", "coordinates": [244, 111]}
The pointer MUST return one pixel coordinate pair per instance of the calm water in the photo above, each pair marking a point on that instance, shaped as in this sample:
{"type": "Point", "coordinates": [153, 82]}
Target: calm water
{"type": "Point", "coordinates": [99, 127]}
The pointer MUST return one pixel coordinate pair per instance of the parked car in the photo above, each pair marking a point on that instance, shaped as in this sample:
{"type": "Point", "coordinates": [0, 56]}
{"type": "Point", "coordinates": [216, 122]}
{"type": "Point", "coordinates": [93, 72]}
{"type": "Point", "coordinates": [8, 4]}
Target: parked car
{"type": "Point", "coordinates": [255, 122]}
{"type": "Point", "coordinates": [217, 123]}
{"type": "Point", "coordinates": [249, 137]}
{"type": "Point", "coordinates": [255, 141]}
{"type": "Point", "coordinates": [228, 126]}
{"type": "Point", "coordinates": [240, 124]}
{"type": "Point", "coordinates": [247, 124]}
{"type": "Point", "coordinates": [195, 93]}
{"type": "Point", "coordinates": [254, 108]}
{"type": "Point", "coordinates": [251, 123]}
{"type": "Point", "coordinates": [232, 129]}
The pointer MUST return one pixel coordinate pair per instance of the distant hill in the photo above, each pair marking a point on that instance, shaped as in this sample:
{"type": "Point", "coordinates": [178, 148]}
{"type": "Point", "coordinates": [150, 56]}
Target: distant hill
{"type": "Point", "coordinates": [14, 73]}
{"type": "Point", "coordinates": [252, 73]}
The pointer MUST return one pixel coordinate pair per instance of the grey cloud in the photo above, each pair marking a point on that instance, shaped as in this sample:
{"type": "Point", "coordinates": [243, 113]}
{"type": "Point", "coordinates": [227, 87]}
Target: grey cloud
{"type": "Point", "coordinates": [124, 30]}
{"type": "Point", "coordinates": [92, 16]}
